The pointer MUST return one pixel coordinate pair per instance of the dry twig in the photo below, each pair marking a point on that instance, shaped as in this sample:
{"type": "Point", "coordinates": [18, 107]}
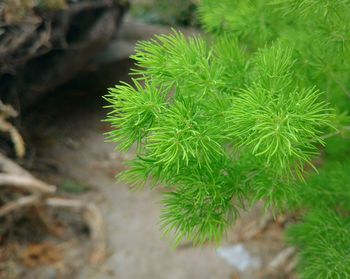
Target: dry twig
{"type": "Point", "coordinates": [93, 218]}
{"type": "Point", "coordinates": [29, 184]}
{"type": "Point", "coordinates": [281, 258]}
{"type": "Point", "coordinates": [19, 204]}
{"type": "Point", "coordinates": [255, 228]}
{"type": "Point", "coordinates": [7, 111]}
{"type": "Point", "coordinates": [16, 176]}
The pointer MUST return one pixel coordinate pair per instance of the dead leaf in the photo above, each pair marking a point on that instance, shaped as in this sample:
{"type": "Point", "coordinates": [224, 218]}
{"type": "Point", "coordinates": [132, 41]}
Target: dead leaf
{"type": "Point", "coordinates": [41, 254]}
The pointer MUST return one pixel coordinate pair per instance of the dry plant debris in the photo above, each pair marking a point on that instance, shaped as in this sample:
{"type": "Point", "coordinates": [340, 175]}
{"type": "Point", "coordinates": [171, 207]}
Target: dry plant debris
{"type": "Point", "coordinates": [41, 254]}
{"type": "Point", "coordinates": [42, 194]}
{"type": "Point", "coordinates": [6, 112]}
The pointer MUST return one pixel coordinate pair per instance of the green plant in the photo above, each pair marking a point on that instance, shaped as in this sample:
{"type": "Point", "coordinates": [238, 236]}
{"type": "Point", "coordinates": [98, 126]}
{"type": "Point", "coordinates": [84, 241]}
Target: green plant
{"type": "Point", "coordinates": [52, 5]}
{"type": "Point", "coordinates": [167, 12]}
{"type": "Point", "coordinates": [243, 115]}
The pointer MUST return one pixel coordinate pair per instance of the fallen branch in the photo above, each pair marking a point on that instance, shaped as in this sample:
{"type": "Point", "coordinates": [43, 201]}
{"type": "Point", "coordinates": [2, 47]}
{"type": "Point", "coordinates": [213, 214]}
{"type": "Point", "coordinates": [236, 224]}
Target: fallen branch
{"type": "Point", "coordinates": [281, 258]}
{"type": "Point", "coordinates": [257, 227]}
{"type": "Point", "coordinates": [291, 266]}
{"type": "Point", "coordinates": [26, 183]}
{"type": "Point", "coordinates": [16, 176]}
{"type": "Point", "coordinates": [282, 264]}
{"type": "Point", "coordinates": [19, 204]}
{"type": "Point", "coordinates": [93, 218]}
{"type": "Point", "coordinates": [7, 111]}
{"type": "Point", "coordinates": [9, 166]}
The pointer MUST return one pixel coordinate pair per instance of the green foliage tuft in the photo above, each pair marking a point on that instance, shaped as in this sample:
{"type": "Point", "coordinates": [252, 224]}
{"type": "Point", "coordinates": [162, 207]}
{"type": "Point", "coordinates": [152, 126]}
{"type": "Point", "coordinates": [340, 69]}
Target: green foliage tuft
{"type": "Point", "coordinates": [283, 127]}
{"type": "Point", "coordinates": [198, 211]}
{"type": "Point", "coordinates": [134, 110]}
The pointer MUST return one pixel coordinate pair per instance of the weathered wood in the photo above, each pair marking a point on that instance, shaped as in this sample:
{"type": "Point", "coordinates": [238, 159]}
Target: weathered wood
{"type": "Point", "coordinates": [48, 48]}
{"type": "Point", "coordinates": [13, 175]}
{"type": "Point", "coordinates": [26, 183]}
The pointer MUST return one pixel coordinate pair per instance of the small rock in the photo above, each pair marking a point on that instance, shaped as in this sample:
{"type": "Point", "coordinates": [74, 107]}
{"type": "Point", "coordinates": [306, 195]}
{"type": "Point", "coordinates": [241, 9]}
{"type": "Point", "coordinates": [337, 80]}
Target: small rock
{"type": "Point", "coordinates": [239, 257]}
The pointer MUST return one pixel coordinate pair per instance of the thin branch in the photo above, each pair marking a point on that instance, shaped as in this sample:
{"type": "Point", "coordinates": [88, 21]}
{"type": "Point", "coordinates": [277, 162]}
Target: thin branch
{"type": "Point", "coordinates": [30, 184]}
{"type": "Point", "coordinates": [255, 228]}
{"type": "Point", "coordinates": [292, 264]}
{"type": "Point", "coordinates": [18, 204]}
{"type": "Point", "coordinates": [18, 177]}
{"type": "Point", "coordinates": [93, 218]}
{"type": "Point", "coordinates": [7, 111]}
{"type": "Point", "coordinates": [9, 166]}
{"type": "Point", "coordinates": [281, 258]}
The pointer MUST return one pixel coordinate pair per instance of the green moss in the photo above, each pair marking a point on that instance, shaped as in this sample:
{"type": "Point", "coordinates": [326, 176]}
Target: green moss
{"type": "Point", "coordinates": [73, 186]}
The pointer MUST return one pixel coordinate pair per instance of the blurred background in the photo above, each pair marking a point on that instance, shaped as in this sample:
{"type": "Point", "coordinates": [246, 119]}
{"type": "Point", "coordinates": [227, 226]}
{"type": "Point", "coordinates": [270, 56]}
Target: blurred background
{"type": "Point", "coordinates": [62, 213]}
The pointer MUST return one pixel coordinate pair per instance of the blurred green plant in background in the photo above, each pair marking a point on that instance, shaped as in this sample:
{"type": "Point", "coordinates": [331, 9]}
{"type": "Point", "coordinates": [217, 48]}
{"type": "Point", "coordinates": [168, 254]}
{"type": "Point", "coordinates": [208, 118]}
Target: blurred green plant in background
{"type": "Point", "coordinates": [167, 12]}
